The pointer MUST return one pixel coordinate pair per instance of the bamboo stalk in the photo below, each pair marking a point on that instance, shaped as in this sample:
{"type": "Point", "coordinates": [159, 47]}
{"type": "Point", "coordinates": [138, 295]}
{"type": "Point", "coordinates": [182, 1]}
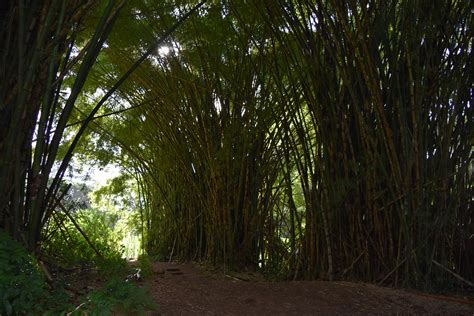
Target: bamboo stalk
{"type": "Point", "coordinates": [457, 276]}
{"type": "Point", "coordinates": [74, 222]}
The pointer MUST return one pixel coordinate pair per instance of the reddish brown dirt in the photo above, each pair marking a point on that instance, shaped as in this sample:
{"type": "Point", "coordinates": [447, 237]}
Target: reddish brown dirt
{"type": "Point", "coordinates": [185, 289]}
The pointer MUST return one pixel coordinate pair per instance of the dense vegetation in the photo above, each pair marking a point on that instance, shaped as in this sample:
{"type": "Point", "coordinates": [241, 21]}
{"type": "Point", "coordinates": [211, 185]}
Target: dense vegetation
{"type": "Point", "coordinates": [310, 139]}
{"type": "Point", "coordinates": [307, 139]}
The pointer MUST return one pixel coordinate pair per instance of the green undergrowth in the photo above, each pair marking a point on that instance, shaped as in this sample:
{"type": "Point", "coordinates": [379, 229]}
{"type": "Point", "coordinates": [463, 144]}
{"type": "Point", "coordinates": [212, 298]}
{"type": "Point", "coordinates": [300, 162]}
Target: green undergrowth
{"type": "Point", "coordinates": [144, 264]}
{"type": "Point", "coordinates": [112, 266]}
{"type": "Point", "coordinates": [116, 295]}
{"type": "Point", "coordinates": [24, 290]}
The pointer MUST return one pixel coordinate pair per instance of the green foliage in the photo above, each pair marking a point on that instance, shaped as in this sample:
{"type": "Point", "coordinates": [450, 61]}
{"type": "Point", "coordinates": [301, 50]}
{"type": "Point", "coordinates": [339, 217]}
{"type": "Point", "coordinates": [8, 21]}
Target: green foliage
{"type": "Point", "coordinates": [22, 286]}
{"type": "Point", "coordinates": [145, 264]}
{"type": "Point", "coordinates": [23, 289]}
{"type": "Point", "coordinates": [117, 295]}
{"type": "Point", "coordinates": [112, 266]}
{"type": "Point", "coordinates": [118, 193]}
{"type": "Point", "coordinates": [108, 225]}
{"type": "Point", "coordinates": [72, 246]}
{"type": "Point", "coordinates": [119, 198]}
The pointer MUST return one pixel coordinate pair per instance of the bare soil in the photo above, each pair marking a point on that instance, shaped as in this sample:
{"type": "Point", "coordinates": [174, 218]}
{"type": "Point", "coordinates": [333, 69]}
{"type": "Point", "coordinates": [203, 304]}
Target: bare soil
{"type": "Point", "coordinates": [189, 289]}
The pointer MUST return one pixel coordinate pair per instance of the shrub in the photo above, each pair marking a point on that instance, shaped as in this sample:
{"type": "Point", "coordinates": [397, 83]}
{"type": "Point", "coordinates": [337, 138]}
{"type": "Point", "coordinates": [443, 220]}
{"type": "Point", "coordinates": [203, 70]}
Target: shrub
{"type": "Point", "coordinates": [71, 245]}
{"type": "Point", "coordinates": [144, 263]}
{"type": "Point", "coordinates": [112, 266]}
{"type": "Point", "coordinates": [22, 286]}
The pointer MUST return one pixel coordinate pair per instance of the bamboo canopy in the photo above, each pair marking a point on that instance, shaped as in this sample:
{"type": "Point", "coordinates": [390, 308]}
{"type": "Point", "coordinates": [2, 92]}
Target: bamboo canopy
{"type": "Point", "coordinates": [312, 139]}
{"type": "Point", "coordinates": [308, 139]}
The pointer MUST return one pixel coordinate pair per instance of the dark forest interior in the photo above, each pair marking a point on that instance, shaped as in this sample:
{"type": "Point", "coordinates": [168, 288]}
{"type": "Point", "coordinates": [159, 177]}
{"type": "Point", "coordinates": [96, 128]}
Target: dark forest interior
{"type": "Point", "coordinates": [301, 140]}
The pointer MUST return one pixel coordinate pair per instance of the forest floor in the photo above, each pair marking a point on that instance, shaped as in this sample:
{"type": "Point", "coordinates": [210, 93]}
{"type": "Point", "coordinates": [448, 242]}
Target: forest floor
{"type": "Point", "coordinates": [184, 289]}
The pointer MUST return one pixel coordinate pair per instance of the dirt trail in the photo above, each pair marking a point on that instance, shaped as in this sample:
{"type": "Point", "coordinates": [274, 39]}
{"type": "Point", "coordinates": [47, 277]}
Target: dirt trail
{"type": "Point", "coordinates": [185, 289]}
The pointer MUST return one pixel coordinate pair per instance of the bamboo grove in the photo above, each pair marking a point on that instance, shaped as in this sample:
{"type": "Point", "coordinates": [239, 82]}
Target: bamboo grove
{"type": "Point", "coordinates": [41, 43]}
{"type": "Point", "coordinates": [317, 139]}
{"type": "Point", "coordinates": [309, 139]}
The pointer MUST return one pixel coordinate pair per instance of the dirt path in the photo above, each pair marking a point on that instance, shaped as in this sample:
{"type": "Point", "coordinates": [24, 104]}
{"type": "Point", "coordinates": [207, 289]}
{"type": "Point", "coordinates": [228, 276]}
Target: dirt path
{"type": "Point", "coordinates": [185, 289]}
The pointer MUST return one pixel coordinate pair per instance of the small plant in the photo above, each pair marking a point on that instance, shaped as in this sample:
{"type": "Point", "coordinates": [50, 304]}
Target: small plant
{"type": "Point", "coordinates": [145, 265]}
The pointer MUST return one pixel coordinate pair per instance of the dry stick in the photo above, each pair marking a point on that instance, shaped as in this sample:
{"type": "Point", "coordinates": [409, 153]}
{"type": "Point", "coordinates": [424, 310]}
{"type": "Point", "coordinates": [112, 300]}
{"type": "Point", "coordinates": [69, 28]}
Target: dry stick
{"type": "Point", "coordinates": [298, 262]}
{"type": "Point", "coordinates": [391, 272]}
{"type": "Point", "coordinates": [457, 276]}
{"type": "Point", "coordinates": [76, 309]}
{"type": "Point", "coordinates": [354, 262]}
{"type": "Point", "coordinates": [172, 250]}
{"type": "Point", "coordinates": [78, 228]}
{"type": "Point", "coordinates": [58, 199]}
{"type": "Point", "coordinates": [434, 261]}
{"type": "Point", "coordinates": [43, 267]}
